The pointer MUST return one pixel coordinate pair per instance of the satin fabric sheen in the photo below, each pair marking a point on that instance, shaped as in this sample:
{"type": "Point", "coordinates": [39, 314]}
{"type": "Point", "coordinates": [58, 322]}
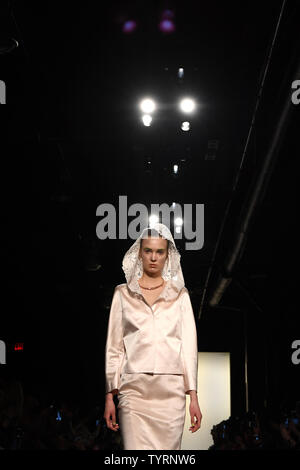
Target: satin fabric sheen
{"type": "Point", "coordinates": [151, 411]}
{"type": "Point", "coordinates": [158, 339]}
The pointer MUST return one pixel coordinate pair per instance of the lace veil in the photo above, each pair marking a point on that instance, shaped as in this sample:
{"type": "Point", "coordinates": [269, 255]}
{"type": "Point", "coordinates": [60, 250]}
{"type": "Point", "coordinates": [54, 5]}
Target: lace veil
{"type": "Point", "coordinates": [132, 265]}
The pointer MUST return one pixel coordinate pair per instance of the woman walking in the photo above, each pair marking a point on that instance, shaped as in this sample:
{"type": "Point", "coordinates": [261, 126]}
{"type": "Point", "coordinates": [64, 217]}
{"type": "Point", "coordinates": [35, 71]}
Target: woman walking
{"type": "Point", "coordinates": [151, 354]}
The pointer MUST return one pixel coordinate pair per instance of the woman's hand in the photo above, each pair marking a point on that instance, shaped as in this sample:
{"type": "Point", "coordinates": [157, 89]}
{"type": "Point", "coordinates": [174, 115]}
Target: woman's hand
{"type": "Point", "coordinates": [110, 413]}
{"type": "Point", "coordinates": [196, 415]}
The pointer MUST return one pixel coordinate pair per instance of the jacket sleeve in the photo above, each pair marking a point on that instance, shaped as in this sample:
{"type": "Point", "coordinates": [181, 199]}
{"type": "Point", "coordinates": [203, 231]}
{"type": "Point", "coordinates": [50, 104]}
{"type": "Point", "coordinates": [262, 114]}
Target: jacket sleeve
{"type": "Point", "coordinates": [114, 349]}
{"type": "Point", "coordinates": [189, 343]}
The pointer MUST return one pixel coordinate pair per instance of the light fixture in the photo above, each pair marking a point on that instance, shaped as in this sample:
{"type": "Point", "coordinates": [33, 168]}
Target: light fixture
{"type": "Point", "coordinates": [175, 169]}
{"type": "Point", "coordinates": [180, 72]}
{"type": "Point", "coordinates": [153, 219]}
{"type": "Point", "coordinates": [147, 119]}
{"type": "Point", "coordinates": [178, 221]}
{"type": "Point", "coordinates": [185, 126]}
{"type": "Point", "coordinates": [167, 26]}
{"type": "Point", "coordinates": [147, 106]}
{"type": "Point", "coordinates": [129, 26]}
{"type": "Point", "coordinates": [167, 21]}
{"type": "Point", "coordinates": [187, 105]}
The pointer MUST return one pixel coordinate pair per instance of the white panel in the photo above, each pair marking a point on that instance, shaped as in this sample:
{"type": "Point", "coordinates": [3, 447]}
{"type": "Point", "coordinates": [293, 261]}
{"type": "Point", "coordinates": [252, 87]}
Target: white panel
{"type": "Point", "coordinates": [213, 398]}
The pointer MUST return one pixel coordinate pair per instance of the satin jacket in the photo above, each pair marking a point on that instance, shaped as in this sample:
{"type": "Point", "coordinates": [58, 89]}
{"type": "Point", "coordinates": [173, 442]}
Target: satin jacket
{"type": "Point", "coordinates": [160, 339]}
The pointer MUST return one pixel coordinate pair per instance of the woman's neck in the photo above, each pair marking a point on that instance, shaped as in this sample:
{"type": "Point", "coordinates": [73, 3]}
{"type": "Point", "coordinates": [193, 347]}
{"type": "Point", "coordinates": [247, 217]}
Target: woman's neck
{"type": "Point", "coordinates": [150, 280]}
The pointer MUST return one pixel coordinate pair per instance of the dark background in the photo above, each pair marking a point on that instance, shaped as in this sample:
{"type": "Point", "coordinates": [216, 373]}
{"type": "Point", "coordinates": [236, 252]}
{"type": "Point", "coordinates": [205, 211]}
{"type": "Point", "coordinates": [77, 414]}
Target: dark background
{"type": "Point", "coordinates": [71, 139]}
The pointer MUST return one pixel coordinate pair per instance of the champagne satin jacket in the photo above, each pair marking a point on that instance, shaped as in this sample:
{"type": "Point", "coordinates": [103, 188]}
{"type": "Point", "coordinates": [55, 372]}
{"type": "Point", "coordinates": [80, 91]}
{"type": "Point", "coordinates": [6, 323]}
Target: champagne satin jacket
{"type": "Point", "coordinates": [160, 339]}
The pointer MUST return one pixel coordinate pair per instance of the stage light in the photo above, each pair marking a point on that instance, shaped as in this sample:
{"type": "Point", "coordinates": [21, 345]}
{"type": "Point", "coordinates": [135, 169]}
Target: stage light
{"type": "Point", "coordinates": [147, 106]}
{"type": "Point", "coordinates": [147, 119]}
{"type": "Point", "coordinates": [168, 14]}
{"type": "Point", "coordinates": [180, 72]}
{"type": "Point", "coordinates": [187, 105]}
{"type": "Point", "coordinates": [167, 24]}
{"type": "Point", "coordinates": [129, 26]}
{"type": "Point", "coordinates": [175, 169]}
{"type": "Point", "coordinates": [178, 221]}
{"type": "Point", "coordinates": [178, 224]}
{"type": "Point", "coordinates": [153, 219]}
{"type": "Point", "coordinates": [185, 126]}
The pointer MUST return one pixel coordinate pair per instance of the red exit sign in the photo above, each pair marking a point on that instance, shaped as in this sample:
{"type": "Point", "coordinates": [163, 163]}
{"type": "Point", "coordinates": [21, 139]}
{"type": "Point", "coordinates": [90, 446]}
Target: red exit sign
{"type": "Point", "coordinates": [19, 346]}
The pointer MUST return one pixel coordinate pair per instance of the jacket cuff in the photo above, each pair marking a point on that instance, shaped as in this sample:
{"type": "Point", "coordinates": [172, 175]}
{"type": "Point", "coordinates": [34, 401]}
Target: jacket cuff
{"type": "Point", "coordinates": [190, 383]}
{"type": "Point", "coordinates": [112, 378]}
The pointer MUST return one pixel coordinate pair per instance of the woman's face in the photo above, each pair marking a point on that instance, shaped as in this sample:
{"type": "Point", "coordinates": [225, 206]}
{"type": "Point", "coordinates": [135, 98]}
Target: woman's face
{"type": "Point", "coordinates": [154, 252]}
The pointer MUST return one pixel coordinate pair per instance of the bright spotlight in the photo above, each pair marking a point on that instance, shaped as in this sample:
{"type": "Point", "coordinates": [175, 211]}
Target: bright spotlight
{"type": "Point", "coordinates": [180, 72]}
{"type": "Point", "coordinates": [167, 26]}
{"type": "Point", "coordinates": [185, 126]}
{"type": "Point", "coordinates": [187, 105]}
{"type": "Point", "coordinates": [175, 168]}
{"type": "Point", "coordinates": [147, 119]}
{"type": "Point", "coordinates": [147, 106]}
{"type": "Point", "coordinates": [178, 221]}
{"type": "Point", "coordinates": [153, 219]}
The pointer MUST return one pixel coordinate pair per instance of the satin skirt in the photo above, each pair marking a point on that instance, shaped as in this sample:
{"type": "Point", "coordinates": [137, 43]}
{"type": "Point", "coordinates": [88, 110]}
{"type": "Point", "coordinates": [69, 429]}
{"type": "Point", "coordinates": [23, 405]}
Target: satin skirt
{"type": "Point", "coordinates": [151, 411]}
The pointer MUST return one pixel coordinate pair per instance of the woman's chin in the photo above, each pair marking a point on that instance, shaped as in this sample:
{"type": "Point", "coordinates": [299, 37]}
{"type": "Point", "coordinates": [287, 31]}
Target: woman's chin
{"type": "Point", "coordinates": [153, 272]}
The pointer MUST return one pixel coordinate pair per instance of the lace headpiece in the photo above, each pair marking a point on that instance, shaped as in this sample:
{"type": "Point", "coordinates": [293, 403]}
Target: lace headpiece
{"type": "Point", "coordinates": [132, 264]}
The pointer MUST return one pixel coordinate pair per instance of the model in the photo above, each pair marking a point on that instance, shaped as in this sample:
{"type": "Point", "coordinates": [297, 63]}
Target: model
{"type": "Point", "coordinates": [151, 354]}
